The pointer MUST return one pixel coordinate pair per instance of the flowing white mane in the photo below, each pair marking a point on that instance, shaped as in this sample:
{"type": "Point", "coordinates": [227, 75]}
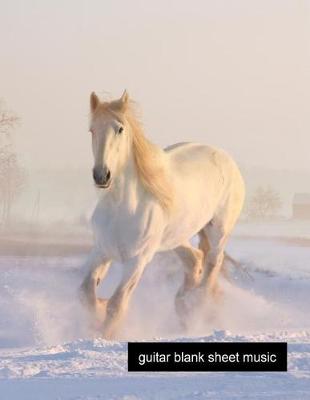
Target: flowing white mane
{"type": "Point", "coordinates": [149, 159]}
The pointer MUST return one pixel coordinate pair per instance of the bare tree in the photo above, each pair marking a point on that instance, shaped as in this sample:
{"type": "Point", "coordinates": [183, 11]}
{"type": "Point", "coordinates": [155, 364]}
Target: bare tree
{"type": "Point", "coordinates": [8, 120]}
{"type": "Point", "coordinates": [265, 203]}
{"type": "Point", "coordinates": [11, 173]}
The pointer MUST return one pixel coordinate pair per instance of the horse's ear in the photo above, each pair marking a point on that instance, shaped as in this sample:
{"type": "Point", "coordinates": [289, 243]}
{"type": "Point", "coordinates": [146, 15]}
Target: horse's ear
{"type": "Point", "coordinates": [125, 98]}
{"type": "Point", "coordinates": [94, 101]}
{"type": "Point", "coordinates": [121, 103]}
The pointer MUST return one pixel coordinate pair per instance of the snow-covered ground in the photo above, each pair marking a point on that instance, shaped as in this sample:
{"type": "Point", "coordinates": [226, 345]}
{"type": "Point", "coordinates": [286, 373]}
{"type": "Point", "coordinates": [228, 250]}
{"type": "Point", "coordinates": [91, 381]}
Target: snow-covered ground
{"type": "Point", "coordinates": [47, 350]}
{"type": "Point", "coordinates": [284, 228]}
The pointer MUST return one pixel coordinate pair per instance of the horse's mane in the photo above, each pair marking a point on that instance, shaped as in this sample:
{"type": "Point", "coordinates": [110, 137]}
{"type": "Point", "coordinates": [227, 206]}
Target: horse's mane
{"type": "Point", "coordinates": [149, 158]}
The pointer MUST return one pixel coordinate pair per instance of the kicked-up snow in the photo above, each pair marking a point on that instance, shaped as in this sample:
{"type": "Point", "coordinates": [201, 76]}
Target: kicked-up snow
{"type": "Point", "coordinates": [49, 351]}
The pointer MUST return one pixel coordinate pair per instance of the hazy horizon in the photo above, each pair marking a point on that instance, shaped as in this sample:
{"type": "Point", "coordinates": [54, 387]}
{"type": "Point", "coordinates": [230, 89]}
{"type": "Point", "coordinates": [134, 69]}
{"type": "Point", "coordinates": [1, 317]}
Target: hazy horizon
{"type": "Point", "coordinates": [232, 75]}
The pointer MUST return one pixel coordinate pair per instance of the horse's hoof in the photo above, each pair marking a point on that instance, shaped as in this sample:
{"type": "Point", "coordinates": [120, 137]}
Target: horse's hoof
{"type": "Point", "coordinates": [109, 332]}
{"type": "Point", "coordinates": [108, 336]}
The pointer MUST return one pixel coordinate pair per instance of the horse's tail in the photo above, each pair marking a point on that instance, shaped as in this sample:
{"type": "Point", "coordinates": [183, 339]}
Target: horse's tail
{"type": "Point", "coordinates": [235, 263]}
{"type": "Point", "coordinates": [232, 260]}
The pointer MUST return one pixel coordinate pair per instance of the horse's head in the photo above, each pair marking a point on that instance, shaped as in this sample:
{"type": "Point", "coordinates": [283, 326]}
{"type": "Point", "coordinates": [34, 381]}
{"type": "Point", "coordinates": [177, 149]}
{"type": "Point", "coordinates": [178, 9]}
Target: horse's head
{"type": "Point", "coordinates": [110, 138]}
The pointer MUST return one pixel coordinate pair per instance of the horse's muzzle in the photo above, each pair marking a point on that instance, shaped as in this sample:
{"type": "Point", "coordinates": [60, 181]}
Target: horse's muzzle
{"type": "Point", "coordinates": [102, 177]}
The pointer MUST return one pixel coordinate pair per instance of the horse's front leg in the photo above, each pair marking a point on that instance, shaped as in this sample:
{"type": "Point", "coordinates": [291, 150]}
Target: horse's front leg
{"type": "Point", "coordinates": [118, 303]}
{"type": "Point", "coordinates": [95, 269]}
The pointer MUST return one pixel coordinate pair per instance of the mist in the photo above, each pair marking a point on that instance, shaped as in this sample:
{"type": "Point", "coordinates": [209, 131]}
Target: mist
{"type": "Point", "coordinates": [232, 74]}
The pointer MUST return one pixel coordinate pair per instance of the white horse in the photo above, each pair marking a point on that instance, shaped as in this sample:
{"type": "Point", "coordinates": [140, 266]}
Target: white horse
{"type": "Point", "coordinates": [155, 200]}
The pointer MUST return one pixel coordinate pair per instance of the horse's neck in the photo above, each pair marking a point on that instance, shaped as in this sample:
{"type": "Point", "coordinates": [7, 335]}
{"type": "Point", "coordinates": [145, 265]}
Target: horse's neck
{"type": "Point", "coordinates": [126, 190]}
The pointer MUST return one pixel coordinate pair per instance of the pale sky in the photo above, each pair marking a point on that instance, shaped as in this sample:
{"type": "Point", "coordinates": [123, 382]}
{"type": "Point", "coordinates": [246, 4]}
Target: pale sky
{"type": "Point", "coordinates": [233, 73]}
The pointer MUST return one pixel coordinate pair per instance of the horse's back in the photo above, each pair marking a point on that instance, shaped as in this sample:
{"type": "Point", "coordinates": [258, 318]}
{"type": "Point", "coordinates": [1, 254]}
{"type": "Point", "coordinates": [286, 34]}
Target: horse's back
{"type": "Point", "coordinates": [186, 150]}
{"type": "Point", "coordinates": [207, 182]}
{"type": "Point", "coordinates": [204, 159]}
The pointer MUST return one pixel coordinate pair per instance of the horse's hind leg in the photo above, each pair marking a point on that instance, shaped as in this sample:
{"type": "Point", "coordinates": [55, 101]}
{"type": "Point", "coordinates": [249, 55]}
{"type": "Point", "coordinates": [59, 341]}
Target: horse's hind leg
{"type": "Point", "coordinates": [192, 259]}
{"type": "Point", "coordinates": [217, 232]}
{"type": "Point", "coordinates": [204, 245]}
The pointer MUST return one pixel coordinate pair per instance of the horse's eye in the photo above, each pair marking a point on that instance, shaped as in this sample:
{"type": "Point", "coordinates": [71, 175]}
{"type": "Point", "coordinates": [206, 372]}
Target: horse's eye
{"type": "Point", "coordinates": [120, 129]}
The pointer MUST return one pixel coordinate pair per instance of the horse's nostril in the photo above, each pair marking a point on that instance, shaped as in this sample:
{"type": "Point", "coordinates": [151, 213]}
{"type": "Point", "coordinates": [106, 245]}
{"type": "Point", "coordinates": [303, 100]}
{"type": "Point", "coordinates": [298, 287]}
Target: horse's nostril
{"type": "Point", "coordinates": [98, 178]}
{"type": "Point", "coordinates": [102, 176]}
